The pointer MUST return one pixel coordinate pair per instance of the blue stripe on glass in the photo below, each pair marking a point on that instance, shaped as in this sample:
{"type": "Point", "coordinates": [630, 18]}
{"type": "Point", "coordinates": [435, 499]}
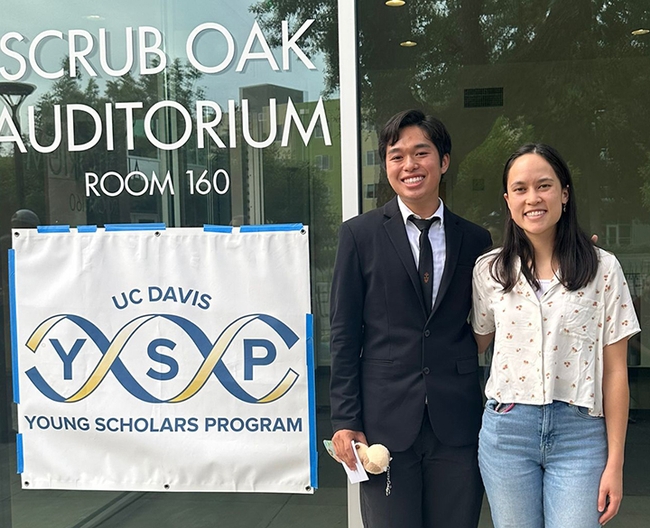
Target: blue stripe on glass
{"type": "Point", "coordinates": [13, 323]}
{"type": "Point", "coordinates": [217, 228]}
{"type": "Point", "coordinates": [53, 229]}
{"type": "Point", "coordinates": [135, 227]}
{"type": "Point", "coordinates": [20, 459]}
{"type": "Point", "coordinates": [270, 227]}
{"type": "Point", "coordinates": [311, 388]}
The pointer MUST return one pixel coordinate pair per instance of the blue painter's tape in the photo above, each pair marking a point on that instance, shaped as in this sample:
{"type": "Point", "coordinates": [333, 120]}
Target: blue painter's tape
{"type": "Point", "coordinates": [53, 229]}
{"type": "Point", "coordinates": [270, 227]}
{"type": "Point", "coordinates": [20, 458]}
{"type": "Point", "coordinates": [13, 323]}
{"type": "Point", "coordinates": [87, 229]}
{"type": "Point", "coordinates": [311, 387]}
{"type": "Point", "coordinates": [217, 228]}
{"type": "Point", "coordinates": [135, 227]}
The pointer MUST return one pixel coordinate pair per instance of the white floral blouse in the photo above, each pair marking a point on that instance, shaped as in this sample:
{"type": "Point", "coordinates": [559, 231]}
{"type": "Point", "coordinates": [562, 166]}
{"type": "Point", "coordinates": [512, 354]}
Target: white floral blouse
{"type": "Point", "coordinates": [552, 348]}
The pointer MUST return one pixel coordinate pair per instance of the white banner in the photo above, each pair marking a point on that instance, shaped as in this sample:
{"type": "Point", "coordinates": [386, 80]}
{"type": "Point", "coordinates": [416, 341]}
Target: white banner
{"type": "Point", "coordinates": [154, 359]}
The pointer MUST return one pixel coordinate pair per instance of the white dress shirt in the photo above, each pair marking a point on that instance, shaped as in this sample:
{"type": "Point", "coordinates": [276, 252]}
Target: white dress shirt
{"type": "Point", "coordinates": [436, 237]}
{"type": "Point", "coordinates": [551, 348]}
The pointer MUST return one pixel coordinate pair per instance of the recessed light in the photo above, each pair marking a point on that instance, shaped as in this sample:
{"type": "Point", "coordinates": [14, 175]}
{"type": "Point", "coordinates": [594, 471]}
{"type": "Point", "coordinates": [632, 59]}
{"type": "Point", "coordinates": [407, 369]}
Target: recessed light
{"type": "Point", "coordinates": [94, 17]}
{"type": "Point", "coordinates": [640, 32]}
{"type": "Point", "coordinates": [395, 3]}
{"type": "Point", "coordinates": [408, 44]}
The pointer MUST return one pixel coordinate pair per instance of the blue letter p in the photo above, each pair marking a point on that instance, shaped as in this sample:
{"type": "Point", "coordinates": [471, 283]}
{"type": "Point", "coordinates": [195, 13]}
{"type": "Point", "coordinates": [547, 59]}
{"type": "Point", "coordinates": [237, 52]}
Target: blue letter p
{"type": "Point", "coordinates": [250, 360]}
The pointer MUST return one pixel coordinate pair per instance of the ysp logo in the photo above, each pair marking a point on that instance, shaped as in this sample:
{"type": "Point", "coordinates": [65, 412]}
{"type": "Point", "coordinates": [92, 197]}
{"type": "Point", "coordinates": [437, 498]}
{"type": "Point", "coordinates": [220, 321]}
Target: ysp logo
{"type": "Point", "coordinates": [211, 364]}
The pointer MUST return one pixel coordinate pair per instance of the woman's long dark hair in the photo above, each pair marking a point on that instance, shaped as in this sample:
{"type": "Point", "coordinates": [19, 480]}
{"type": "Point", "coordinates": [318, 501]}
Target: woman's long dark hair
{"type": "Point", "coordinates": [573, 249]}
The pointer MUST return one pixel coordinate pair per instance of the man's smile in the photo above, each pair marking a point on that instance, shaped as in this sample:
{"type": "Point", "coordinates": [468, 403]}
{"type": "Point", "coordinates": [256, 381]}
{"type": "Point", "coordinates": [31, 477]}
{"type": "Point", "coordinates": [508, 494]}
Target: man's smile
{"type": "Point", "coordinates": [413, 179]}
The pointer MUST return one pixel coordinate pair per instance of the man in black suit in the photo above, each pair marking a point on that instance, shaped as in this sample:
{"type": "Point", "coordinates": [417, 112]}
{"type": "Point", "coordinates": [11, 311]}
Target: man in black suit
{"type": "Point", "coordinates": [404, 361]}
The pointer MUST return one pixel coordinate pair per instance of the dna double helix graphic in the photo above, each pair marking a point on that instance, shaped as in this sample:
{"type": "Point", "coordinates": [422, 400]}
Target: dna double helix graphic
{"type": "Point", "coordinates": [212, 363]}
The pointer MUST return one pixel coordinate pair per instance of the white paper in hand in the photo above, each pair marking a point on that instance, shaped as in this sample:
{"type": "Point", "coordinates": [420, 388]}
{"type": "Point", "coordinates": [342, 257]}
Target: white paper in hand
{"type": "Point", "coordinates": [359, 474]}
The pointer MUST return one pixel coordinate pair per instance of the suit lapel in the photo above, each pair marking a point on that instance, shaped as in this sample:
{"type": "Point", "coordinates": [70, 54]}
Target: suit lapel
{"type": "Point", "coordinates": [394, 225]}
{"type": "Point", "coordinates": [453, 241]}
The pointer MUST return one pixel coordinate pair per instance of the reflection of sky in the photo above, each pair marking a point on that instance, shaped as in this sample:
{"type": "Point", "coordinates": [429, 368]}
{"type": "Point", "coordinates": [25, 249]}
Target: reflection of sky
{"type": "Point", "coordinates": [174, 18]}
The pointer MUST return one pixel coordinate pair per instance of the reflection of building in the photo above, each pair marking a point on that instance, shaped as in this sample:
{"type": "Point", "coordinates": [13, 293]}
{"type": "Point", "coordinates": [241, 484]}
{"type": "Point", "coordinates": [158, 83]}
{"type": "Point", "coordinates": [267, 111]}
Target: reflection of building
{"type": "Point", "coordinates": [568, 73]}
{"type": "Point", "coordinates": [257, 99]}
{"type": "Point", "coordinates": [295, 176]}
{"type": "Point", "coordinates": [305, 147]}
{"type": "Point", "coordinates": [370, 167]}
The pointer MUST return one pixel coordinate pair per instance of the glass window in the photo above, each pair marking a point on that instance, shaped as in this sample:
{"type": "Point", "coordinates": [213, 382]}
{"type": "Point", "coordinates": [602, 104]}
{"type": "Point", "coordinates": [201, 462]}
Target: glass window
{"type": "Point", "coordinates": [189, 114]}
{"type": "Point", "coordinates": [322, 161]}
{"type": "Point", "coordinates": [499, 74]}
{"type": "Point", "coordinates": [372, 157]}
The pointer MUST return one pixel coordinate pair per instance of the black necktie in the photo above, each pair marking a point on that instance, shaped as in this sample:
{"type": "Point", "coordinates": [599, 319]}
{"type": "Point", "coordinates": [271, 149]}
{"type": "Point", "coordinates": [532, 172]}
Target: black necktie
{"type": "Point", "coordinates": [425, 264]}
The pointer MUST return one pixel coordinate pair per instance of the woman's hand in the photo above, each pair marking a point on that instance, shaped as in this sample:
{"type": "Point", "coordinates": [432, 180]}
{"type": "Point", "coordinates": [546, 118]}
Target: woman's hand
{"type": "Point", "coordinates": [610, 493]}
{"type": "Point", "coordinates": [616, 397]}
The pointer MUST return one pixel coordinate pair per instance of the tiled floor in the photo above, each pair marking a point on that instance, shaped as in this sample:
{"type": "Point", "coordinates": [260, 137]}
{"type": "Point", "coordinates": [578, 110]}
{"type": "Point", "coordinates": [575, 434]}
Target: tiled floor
{"type": "Point", "coordinates": [327, 508]}
{"type": "Point", "coordinates": [85, 509]}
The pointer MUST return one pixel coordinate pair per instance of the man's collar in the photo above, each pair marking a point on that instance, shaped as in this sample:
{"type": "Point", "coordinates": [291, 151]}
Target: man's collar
{"type": "Point", "coordinates": [406, 212]}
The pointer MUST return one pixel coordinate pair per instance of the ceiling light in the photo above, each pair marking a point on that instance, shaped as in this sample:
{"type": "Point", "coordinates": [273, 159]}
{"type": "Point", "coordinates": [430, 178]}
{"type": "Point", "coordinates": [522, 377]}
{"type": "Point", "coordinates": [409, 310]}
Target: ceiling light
{"type": "Point", "coordinates": [395, 3]}
{"type": "Point", "coordinates": [640, 32]}
{"type": "Point", "coordinates": [408, 44]}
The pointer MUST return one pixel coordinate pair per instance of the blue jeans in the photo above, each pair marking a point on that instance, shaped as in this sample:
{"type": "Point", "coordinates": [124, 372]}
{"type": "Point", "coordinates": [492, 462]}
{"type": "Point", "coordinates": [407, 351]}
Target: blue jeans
{"type": "Point", "coordinates": [541, 465]}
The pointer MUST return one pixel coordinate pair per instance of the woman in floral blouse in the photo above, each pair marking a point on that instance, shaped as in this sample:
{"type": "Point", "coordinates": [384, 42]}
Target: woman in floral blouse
{"type": "Point", "coordinates": [560, 313]}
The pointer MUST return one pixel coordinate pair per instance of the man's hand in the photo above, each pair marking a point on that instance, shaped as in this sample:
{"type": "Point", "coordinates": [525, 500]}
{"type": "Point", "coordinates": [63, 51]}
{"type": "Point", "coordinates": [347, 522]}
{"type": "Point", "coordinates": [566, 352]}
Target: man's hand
{"type": "Point", "coordinates": [342, 442]}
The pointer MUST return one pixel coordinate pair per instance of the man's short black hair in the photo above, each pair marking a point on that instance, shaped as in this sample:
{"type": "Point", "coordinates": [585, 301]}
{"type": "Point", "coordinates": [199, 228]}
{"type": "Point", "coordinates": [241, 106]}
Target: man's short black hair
{"type": "Point", "coordinates": [432, 127]}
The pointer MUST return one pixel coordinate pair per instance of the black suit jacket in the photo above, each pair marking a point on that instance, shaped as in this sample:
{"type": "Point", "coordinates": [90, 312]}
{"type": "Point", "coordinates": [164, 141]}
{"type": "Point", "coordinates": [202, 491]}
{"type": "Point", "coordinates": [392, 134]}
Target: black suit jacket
{"type": "Point", "coordinates": [388, 358]}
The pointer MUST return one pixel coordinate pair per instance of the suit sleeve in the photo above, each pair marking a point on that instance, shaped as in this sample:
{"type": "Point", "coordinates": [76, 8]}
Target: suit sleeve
{"type": "Point", "coordinates": [346, 318]}
{"type": "Point", "coordinates": [487, 241]}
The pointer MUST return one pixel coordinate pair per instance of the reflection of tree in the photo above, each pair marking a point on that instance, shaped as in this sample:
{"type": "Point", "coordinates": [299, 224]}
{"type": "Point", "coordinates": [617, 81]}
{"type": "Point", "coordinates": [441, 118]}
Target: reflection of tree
{"type": "Point", "coordinates": [321, 37]}
{"type": "Point", "coordinates": [644, 173]}
{"type": "Point", "coordinates": [177, 83]}
{"type": "Point", "coordinates": [296, 191]}
{"type": "Point", "coordinates": [570, 70]}
{"type": "Point", "coordinates": [8, 196]}
{"type": "Point", "coordinates": [70, 90]}
{"type": "Point", "coordinates": [34, 188]}
{"type": "Point", "coordinates": [479, 174]}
